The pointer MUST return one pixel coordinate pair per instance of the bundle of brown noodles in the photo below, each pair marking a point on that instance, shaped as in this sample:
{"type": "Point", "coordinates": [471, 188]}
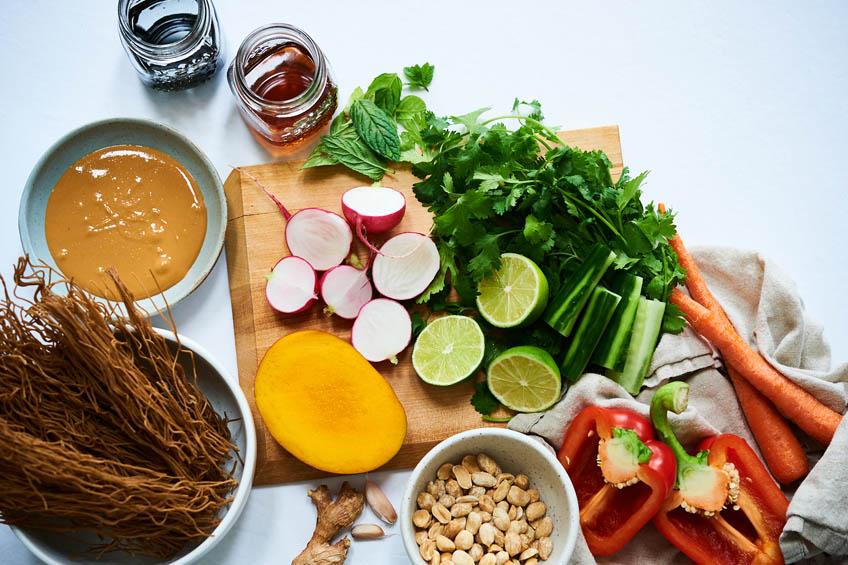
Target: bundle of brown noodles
{"type": "Point", "coordinates": [100, 427]}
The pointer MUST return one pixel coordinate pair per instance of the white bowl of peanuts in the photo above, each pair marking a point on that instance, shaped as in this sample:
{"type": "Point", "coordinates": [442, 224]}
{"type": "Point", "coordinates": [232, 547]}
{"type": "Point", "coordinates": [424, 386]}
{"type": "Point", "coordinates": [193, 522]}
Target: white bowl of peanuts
{"type": "Point", "coordinates": [489, 496]}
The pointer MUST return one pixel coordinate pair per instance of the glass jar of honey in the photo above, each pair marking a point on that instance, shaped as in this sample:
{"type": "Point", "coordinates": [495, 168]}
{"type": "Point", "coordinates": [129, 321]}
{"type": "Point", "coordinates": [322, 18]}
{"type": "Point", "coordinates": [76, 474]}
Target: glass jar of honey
{"type": "Point", "coordinates": [283, 87]}
{"type": "Point", "coordinates": [173, 44]}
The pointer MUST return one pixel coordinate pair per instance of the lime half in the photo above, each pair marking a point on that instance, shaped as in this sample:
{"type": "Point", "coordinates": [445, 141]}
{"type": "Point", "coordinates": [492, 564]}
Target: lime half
{"type": "Point", "coordinates": [449, 350]}
{"type": "Point", "coordinates": [515, 294]}
{"type": "Point", "coordinates": [525, 379]}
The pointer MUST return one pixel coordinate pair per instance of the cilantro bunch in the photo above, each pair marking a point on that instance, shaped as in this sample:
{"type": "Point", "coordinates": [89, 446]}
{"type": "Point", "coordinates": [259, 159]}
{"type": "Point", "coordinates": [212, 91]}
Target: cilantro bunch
{"type": "Point", "coordinates": [493, 190]}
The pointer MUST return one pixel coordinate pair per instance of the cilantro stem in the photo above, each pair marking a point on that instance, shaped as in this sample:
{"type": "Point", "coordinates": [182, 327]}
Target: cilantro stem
{"type": "Point", "coordinates": [526, 119]}
{"type": "Point", "coordinates": [594, 213]}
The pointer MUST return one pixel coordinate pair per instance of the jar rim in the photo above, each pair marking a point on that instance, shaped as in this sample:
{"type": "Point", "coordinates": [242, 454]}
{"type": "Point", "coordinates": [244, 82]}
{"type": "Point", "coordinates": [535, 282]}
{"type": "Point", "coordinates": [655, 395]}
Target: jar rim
{"type": "Point", "coordinates": [276, 31]}
{"type": "Point", "coordinates": [163, 50]}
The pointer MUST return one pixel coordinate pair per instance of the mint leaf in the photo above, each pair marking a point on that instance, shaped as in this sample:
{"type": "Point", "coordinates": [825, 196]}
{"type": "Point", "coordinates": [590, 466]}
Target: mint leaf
{"type": "Point", "coordinates": [319, 158]}
{"type": "Point", "coordinates": [409, 109]}
{"type": "Point", "coordinates": [419, 76]}
{"type": "Point", "coordinates": [384, 91]}
{"type": "Point", "coordinates": [483, 400]}
{"type": "Point", "coordinates": [355, 155]}
{"type": "Point", "coordinates": [376, 128]}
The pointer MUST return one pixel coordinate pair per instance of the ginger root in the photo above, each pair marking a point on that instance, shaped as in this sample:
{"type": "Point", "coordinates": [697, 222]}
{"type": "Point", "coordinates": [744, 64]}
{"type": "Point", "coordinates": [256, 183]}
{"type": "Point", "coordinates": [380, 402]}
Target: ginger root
{"type": "Point", "coordinates": [333, 516]}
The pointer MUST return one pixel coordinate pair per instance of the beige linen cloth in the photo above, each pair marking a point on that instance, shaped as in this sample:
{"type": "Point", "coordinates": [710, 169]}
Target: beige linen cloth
{"type": "Point", "coordinates": [764, 306]}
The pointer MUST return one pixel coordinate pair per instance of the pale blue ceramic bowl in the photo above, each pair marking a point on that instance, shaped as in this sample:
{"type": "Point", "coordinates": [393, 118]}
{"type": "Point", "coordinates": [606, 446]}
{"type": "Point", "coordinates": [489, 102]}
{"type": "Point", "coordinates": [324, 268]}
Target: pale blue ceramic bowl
{"type": "Point", "coordinates": [126, 131]}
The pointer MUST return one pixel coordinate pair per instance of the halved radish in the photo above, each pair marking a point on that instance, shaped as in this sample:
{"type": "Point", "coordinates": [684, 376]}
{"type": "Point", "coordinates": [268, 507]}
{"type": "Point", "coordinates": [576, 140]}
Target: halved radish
{"type": "Point", "coordinates": [382, 329]}
{"type": "Point", "coordinates": [406, 266]}
{"type": "Point", "coordinates": [323, 238]}
{"type": "Point", "coordinates": [376, 209]}
{"type": "Point", "coordinates": [345, 289]}
{"type": "Point", "coordinates": [292, 285]}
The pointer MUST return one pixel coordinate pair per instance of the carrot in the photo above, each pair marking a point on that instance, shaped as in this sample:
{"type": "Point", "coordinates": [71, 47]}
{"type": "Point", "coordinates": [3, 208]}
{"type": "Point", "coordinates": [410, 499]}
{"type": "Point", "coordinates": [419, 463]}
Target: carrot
{"type": "Point", "coordinates": [694, 281]}
{"type": "Point", "coordinates": [816, 419]}
{"type": "Point", "coordinates": [782, 451]}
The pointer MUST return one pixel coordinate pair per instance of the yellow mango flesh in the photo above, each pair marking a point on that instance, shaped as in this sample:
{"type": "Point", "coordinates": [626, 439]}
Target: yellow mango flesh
{"type": "Point", "coordinates": [326, 405]}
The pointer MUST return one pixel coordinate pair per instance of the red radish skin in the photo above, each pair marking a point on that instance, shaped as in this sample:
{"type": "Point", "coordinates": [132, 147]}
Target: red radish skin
{"type": "Point", "coordinates": [407, 265]}
{"type": "Point", "coordinates": [382, 329]}
{"type": "Point", "coordinates": [292, 285]}
{"type": "Point", "coordinates": [345, 290]}
{"type": "Point", "coordinates": [323, 238]}
{"type": "Point", "coordinates": [373, 209]}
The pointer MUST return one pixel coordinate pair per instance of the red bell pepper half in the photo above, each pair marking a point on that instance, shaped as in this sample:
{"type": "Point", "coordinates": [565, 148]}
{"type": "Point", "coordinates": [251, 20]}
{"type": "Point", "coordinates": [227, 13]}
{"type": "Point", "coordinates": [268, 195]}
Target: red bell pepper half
{"type": "Point", "coordinates": [621, 474]}
{"type": "Point", "coordinates": [725, 507]}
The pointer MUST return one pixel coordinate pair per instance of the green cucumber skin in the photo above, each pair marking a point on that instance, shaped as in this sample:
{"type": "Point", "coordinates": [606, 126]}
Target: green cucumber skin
{"type": "Point", "coordinates": [646, 331]}
{"type": "Point", "coordinates": [564, 309]}
{"type": "Point", "coordinates": [592, 324]}
{"type": "Point", "coordinates": [611, 351]}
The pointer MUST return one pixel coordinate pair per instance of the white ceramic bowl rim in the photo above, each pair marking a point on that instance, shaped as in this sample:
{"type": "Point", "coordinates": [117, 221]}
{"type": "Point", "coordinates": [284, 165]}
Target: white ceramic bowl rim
{"type": "Point", "coordinates": [245, 483]}
{"type": "Point", "coordinates": [528, 441]}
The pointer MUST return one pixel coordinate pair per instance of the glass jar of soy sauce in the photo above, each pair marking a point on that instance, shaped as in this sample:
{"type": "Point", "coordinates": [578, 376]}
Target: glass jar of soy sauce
{"type": "Point", "coordinates": [173, 44]}
{"type": "Point", "coordinates": [283, 87]}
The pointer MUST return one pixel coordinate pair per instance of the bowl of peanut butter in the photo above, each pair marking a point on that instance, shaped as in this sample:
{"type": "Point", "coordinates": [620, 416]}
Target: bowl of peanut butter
{"type": "Point", "coordinates": [130, 195]}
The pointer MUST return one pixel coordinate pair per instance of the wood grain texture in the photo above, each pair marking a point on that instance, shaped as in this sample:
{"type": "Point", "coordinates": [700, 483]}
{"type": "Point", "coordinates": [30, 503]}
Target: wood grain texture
{"type": "Point", "coordinates": [255, 242]}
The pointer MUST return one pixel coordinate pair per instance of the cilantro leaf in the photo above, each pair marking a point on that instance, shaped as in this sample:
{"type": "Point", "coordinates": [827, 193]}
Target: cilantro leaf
{"type": "Point", "coordinates": [483, 400]}
{"type": "Point", "coordinates": [419, 76]}
{"type": "Point", "coordinates": [376, 128]}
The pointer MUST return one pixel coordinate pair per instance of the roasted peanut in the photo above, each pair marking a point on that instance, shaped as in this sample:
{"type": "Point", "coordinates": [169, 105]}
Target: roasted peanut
{"type": "Point", "coordinates": [512, 544]}
{"type": "Point", "coordinates": [426, 501]}
{"type": "Point", "coordinates": [518, 496]}
{"type": "Point", "coordinates": [468, 499]}
{"type": "Point", "coordinates": [441, 513]}
{"type": "Point", "coordinates": [500, 519]}
{"type": "Point", "coordinates": [522, 482]}
{"type": "Point", "coordinates": [534, 495]}
{"type": "Point", "coordinates": [461, 509]}
{"type": "Point", "coordinates": [435, 529]}
{"type": "Point", "coordinates": [462, 558]}
{"type": "Point", "coordinates": [476, 552]}
{"type": "Point", "coordinates": [421, 518]}
{"type": "Point", "coordinates": [470, 464]}
{"type": "Point", "coordinates": [444, 543]}
{"type": "Point", "coordinates": [488, 559]}
{"type": "Point", "coordinates": [505, 477]}
{"type": "Point", "coordinates": [486, 534]}
{"type": "Point", "coordinates": [535, 510]}
{"type": "Point", "coordinates": [543, 527]}
{"type": "Point", "coordinates": [427, 549]}
{"type": "Point", "coordinates": [444, 472]}
{"type": "Point", "coordinates": [477, 491]}
{"type": "Point", "coordinates": [453, 527]}
{"type": "Point", "coordinates": [452, 488]}
{"type": "Point", "coordinates": [486, 503]}
{"type": "Point", "coordinates": [473, 522]}
{"type": "Point", "coordinates": [487, 464]}
{"type": "Point", "coordinates": [464, 540]}
{"type": "Point", "coordinates": [501, 491]}
{"type": "Point", "coordinates": [446, 500]}
{"type": "Point", "coordinates": [483, 479]}
{"type": "Point", "coordinates": [546, 547]}
{"type": "Point", "coordinates": [531, 561]}
{"type": "Point", "coordinates": [462, 476]}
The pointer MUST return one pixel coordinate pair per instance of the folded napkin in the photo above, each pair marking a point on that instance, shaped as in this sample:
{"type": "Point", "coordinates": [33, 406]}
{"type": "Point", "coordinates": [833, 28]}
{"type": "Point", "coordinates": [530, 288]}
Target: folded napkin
{"type": "Point", "coordinates": [764, 306]}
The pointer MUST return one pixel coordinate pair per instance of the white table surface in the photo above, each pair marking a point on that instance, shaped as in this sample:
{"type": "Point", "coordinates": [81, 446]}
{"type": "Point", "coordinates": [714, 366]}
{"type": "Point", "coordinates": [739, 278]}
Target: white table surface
{"type": "Point", "coordinates": [738, 109]}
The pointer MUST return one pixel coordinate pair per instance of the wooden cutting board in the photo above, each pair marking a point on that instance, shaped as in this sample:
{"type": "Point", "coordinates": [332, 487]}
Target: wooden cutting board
{"type": "Point", "coordinates": [255, 243]}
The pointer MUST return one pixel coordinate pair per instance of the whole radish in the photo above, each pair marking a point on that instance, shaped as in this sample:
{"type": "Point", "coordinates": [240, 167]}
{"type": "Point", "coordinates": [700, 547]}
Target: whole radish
{"type": "Point", "coordinates": [345, 290]}
{"type": "Point", "coordinates": [406, 265]}
{"type": "Point", "coordinates": [382, 329]}
{"type": "Point", "coordinates": [291, 285]}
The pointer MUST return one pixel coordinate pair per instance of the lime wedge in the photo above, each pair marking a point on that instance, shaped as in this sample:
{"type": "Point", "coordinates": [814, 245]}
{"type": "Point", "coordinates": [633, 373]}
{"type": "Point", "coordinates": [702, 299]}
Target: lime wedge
{"type": "Point", "coordinates": [515, 294]}
{"type": "Point", "coordinates": [448, 350]}
{"type": "Point", "coordinates": [525, 379]}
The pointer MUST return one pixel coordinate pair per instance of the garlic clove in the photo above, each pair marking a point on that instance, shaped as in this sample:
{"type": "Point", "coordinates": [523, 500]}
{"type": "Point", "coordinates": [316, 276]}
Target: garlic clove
{"type": "Point", "coordinates": [367, 531]}
{"type": "Point", "coordinates": [379, 502]}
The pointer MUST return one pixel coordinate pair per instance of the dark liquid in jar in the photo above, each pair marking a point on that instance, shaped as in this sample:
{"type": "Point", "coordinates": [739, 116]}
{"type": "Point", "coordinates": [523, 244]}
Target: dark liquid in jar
{"type": "Point", "coordinates": [162, 22]}
{"type": "Point", "coordinates": [281, 74]}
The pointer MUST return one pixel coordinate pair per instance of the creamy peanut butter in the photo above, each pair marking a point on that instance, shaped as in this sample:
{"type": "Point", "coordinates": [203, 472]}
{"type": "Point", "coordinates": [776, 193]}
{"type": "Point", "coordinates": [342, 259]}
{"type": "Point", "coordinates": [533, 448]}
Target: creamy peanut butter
{"type": "Point", "coordinates": [129, 207]}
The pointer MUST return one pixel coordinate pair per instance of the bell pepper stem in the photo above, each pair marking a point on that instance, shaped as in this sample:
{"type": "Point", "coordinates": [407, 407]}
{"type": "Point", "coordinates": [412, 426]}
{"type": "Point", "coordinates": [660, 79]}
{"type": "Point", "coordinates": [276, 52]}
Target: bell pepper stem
{"type": "Point", "coordinates": [674, 396]}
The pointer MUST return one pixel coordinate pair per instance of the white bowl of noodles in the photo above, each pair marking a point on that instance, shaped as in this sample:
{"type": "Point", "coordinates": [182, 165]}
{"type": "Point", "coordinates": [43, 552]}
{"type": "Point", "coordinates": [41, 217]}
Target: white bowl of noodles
{"type": "Point", "coordinates": [228, 400]}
